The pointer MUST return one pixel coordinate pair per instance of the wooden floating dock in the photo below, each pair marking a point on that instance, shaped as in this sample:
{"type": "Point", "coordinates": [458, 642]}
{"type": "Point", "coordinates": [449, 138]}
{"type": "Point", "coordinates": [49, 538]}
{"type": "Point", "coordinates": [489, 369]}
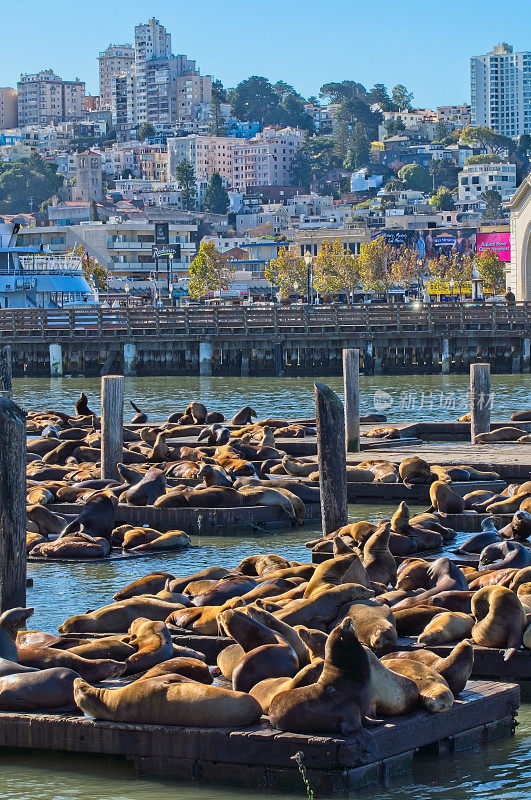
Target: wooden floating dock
{"type": "Point", "coordinates": [378, 492]}
{"type": "Point", "coordinates": [263, 758]}
{"type": "Point", "coordinates": [488, 661]}
{"type": "Point", "coordinates": [202, 521]}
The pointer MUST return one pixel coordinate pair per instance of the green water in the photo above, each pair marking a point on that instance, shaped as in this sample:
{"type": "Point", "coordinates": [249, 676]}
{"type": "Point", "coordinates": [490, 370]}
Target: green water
{"type": "Point", "coordinates": [502, 770]}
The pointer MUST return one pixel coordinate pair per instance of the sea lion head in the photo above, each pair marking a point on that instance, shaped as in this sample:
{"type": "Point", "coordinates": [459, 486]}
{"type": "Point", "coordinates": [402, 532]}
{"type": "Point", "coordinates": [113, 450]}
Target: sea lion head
{"type": "Point", "coordinates": [13, 619]}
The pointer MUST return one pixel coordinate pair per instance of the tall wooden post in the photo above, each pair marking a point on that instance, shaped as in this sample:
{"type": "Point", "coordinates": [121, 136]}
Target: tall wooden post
{"type": "Point", "coordinates": [6, 370]}
{"type": "Point", "coordinates": [480, 397]}
{"type": "Point", "coordinates": [351, 384]}
{"type": "Point", "coordinates": [331, 455]}
{"type": "Point", "coordinates": [112, 420]}
{"type": "Point", "coordinates": [12, 505]}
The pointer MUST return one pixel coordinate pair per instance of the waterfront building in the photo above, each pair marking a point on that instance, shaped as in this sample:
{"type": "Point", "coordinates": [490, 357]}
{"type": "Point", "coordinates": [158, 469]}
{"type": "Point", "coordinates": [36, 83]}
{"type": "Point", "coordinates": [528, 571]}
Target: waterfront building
{"type": "Point", "coordinates": [500, 87]}
{"type": "Point", "coordinates": [45, 98]}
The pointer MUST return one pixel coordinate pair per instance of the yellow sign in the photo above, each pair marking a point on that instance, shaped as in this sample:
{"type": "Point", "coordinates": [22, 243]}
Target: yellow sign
{"type": "Point", "coordinates": [443, 287]}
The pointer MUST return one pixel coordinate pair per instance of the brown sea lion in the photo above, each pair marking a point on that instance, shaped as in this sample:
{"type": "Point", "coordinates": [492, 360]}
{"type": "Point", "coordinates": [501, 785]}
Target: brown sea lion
{"type": "Point", "coordinates": [225, 589]}
{"type": "Point", "coordinates": [505, 434]}
{"type": "Point", "coordinates": [149, 584]}
{"type": "Point", "coordinates": [504, 554]}
{"type": "Point", "coordinates": [188, 667]}
{"type": "Point", "coordinates": [509, 505]}
{"type": "Point", "coordinates": [117, 617]}
{"type": "Point", "coordinates": [444, 500]}
{"type": "Point", "coordinates": [383, 433]}
{"type": "Point", "coordinates": [148, 489]}
{"type": "Point", "coordinates": [414, 470]}
{"type": "Point", "coordinates": [72, 547]}
{"type": "Point", "coordinates": [519, 528]}
{"type": "Point", "coordinates": [153, 644]}
{"type": "Point", "coordinates": [450, 626]}
{"type": "Point", "coordinates": [412, 621]}
{"type": "Point", "coordinates": [521, 416]}
{"type": "Point", "coordinates": [38, 690]}
{"type": "Point", "coordinates": [378, 560]}
{"type": "Point", "coordinates": [210, 573]}
{"type": "Point", "coordinates": [109, 647]}
{"type": "Point", "coordinates": [338, 701]}
{"type": "Point", "coordinates": [49, 657]}
{"type": "Point", "coordinates": [334, 571]}
{"type": "Point", "coordinates": [96, 518]}
{"type": "Point", "coordinates": [391, 693]}
{"type": "Point", "coordinates": [204, 620]}
{"type": "Point", "coordinates": [171, 540]}
{"type": "Point", "coordinates": [286, 631]}
{"type": "Point", "coordinates": [500, 619]}
{"type": "Point", "coordinates": [48, 523]}
{"type": "Point", "coordinates": [158, 701]}
{"type": "Point", "coordinates": [374, 624]}
{"type": "Point", "coordinates": [319, 611]}
{"type": "Point", "coordinates": [434, 692]}
{"type": "Point", "coordinates": [10, 623]}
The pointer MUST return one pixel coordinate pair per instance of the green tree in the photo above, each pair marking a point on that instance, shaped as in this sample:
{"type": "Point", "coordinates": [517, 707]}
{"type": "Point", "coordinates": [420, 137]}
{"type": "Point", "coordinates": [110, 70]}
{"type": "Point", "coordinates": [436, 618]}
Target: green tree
{"type": "Point", "coordinates": [375, 263]}
{"type": "Point", "coordinates": [491, 270]}
{"type": "Point", "coordinates": [494, 142]}
{"type": "Point", "coordinates": [484, 158]}
{"type": "Point", "coordinates": [342, 139]}
{"type": "Point", "coordinates": [216, 199]}
{"type": "Point", "coordinates": [255, 100]}
{"type": "Point", "coordinates": [185, 176]}
{"type": "Point", "coordinates": [440, 131]}
{"type": "Point", "coordinates": [94, 216]}
{"type": "Point", "coordinates": [401, 97]}
{"type": "Point", "coordinates": [443, 200]}
{"type": "Point", "coordinates": [92, 269]}
{"type": "Point", "coordinates": [334, 270]}
{"type": "Point", "coordinates": [146, 131]}
{"type": "Point", "coordinates": [355, 110]}
{"type": "Point", "coordinates": [314, 159]}
{"type": "Point", "coordinates": [379, 94]}
{"type": "Point", "coordinates": [217, 122]}
{"type": "Point", "coordinates": [524, 143]}
{"type": "Point", "coordinates": [361, 146]}
{"type": "Point", "coordinates": [27, 183]}
{"type": "Point", "coordinates": [415, 177]}
{"type": "Point", "coordinates": [288, 271]}
{"type": "Point", "coordinates": [346, 90]}
{"type": "Point", "coordinates": [209, 271]}
{"type": "Point", "coordinates": [493, 201]}
{"type": "Point", "coordinates": [292, 112]}
{"type": "Point", "coordinates": [443, 172]}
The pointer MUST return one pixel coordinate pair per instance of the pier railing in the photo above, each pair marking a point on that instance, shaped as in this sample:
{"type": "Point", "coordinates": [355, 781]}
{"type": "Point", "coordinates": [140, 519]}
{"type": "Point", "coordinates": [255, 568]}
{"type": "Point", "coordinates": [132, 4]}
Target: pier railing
{"type": "Point", "coordinates": [437, 319]}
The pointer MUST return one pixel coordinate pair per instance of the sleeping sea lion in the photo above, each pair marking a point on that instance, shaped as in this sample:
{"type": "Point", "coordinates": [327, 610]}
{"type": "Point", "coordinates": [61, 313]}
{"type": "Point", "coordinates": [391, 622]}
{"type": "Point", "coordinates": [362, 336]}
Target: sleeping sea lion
{"type": "Point", "coordinates": [449, 626]}
{"type": "Point", "coordinates": [506, 554]}
{"type": "Point", "coordinates": [38, 690]}
{"type": "Point", "coordinates": [391, 693]}
{"type": "Point", "coordinates": [505, 434]}
{"type": "Point", "coordinates": [434, 692]}
{"type": "Point", "coordinates": [500, 619]}
{"type": "Point", "coordinates": [414, 470]}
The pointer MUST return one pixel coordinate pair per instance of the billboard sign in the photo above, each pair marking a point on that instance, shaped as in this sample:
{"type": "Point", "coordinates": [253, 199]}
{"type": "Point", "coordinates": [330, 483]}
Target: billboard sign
{"type": "Point", "coordinates": [433, 242]}
{"type": "Point", "coordinates": [497, 242]}
{"type": "Point", "coordinates": [166, 250]}
{"type": "Point", "coordinates": [162, 233]}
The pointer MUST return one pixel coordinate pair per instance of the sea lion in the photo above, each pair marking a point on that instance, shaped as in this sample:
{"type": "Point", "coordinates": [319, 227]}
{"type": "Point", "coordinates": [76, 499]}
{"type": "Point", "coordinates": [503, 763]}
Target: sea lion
{"type": "Point", "coordinates": [96, 519]}
{"type": "Point", "coordinates": [519, 528]}
{"type": "Point", "coordinates": [81, 407]}
{"type": "Point", "coordinates": [48, 523]}
{"type": "Point", "coordinates": [49, 657]}
{"type": "Point", "coordinates": [450, 474]}
{"type": "Point", "coordinates": [391, 693]}
{"type": "Point", "coordinates": [188, 667]}
{"type": "Point", "coordinates": [171, 540]}
{"type": "Point", "coordinates": [478, 542]}
{"type": "Point", "coordinates": [179, 584]}
{"type": "Point", "coordinates": [149, 584]}
{"type": "Point", "coordinates": [508, 505]}
{"type": "Point", "coordinates": [286, 631]}
{"type": "Point", "coordinates": [158, 701]}
{"type": "Point", "coordinates": [148, 489]}
{"type": "Point", "coordinates": [453, 600]}
{"type": "Point", "coordinates": [505, 554]}
{"type": "Point", "coordinates": [334, 571]}
{"type": "Point", "coordinates": [456, 668]}
{"type": "Point", "coordinates": [441, 575]}
{"type": "Point", "coordinates": [520, 577]}
{"type": "Point", "coordinates": [444, 500]}
{"type": "Point", "coordinates": [136, 536]}
{"type": "Point", "coordinates": [505, 434]}
{"type": "Point", "coordinates": [261, 564]}
{"type": "Point", "coordinates": [321, 610]}
{"type": "Point", "coordinates": [153, 644]}
{"type": "Point", "coordinates": [38, 690]}
{"type": "Point", "coordinates": [204, 620]}
{"type": "Point", "coordinates": [298, 468]}
{"type": "Point", "coordinates": [117, 617]}
{"type": "Point", "coordinates": [400, 519]}
{"type": "Point", "coordinates": [450, 626]}
{"type": "Point", "coordinates": [378, 560]}
{"type": "Point", "coordinates": [338, 701]}
{"type": "Point", "coordinates": [434, 692]}
{"type": "Point", "coordinates": [197, 411]}
{"type": "Point", "coordinates": [140, 418]}
{"type": "Point", "coordinates": [500, 619]}
{"type": "Point", "coordinates": [213, 477]}
{"type": "Point", "coordinates": [521, 416]}
{"type": "Point", "coordinates": [225, 589]}
{"type": "Point", "coordinates": [412, 621]}
{"type": "Point", "coordinates": [114, 648]}
{"type": "Point", "coordinates": [10, 623]}
{"type": "Point", "coordinates": [383, 433]}
{"type": "Point", "coordinates": [72, 547]}
{"type": "Point", "coordinates": [479, 475]}
{"type": "Point", "coordinates": [374, 624]}
{"type": "Point", "coordinates": [414, 470]}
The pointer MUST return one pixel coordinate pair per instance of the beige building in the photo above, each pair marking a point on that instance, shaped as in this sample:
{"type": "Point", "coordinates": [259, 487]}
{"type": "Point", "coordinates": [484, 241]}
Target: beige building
{"type": "Point", "coordinates": [116, 60]}
{"type": "Point", "coordinates": [44, 97]}
{"type": "Point", "coordinates": [153, 162]}
{"type": "Point", "coordinates": [192, 91]}
{"type": "Point", "coordinates": [519, 275]}
{"type": "Point", "coordinates": [8, 108]}
{"type": "Point", "coordinates": [207, 154]}
{"type": "Point", "coordinates": [266, 159]}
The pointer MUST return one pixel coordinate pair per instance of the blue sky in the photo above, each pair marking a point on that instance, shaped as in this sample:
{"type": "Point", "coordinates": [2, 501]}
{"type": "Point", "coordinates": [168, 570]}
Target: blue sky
{"type": "Point", "coordinates": [425, 44]}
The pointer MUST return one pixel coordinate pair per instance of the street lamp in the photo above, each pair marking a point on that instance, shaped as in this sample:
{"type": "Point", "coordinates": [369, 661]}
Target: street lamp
{"type": "Point", "coordinates": [308, 258]}
{"type": "Point", "coordinates": [170, 278]}
{"type": "Point", "coordinates": [451, 285]}
{"type": "Point", "coordinates": [127, 290]}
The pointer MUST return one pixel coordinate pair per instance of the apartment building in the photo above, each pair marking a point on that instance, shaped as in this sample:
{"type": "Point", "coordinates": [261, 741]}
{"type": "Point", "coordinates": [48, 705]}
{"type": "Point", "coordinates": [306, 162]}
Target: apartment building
{"type": "Point", "coordinates": [265, 160]}
{"type": "Point", "coordinates": [193, 92]}
{"type": "Point", "coordinates": [477, 178]}
{"type": "Point", "coordinates": [116, 60]}
{"type": "Point", "coordinates": [207, 154]}
{"type": "Point", "coordinates": [500, 87]}
{"type": "Point", "coordinates": [45, 98]}
{"type": "Point", "coordinates": [152, 41]}
{"type": "Point", "coordinates": [454, 115]}
{"type": "Point", "coordinates": [8, 108]}
{"type": "Point", "coordinates": [153, 162]}
{"type": "Point", "coordinates": [163, 85]}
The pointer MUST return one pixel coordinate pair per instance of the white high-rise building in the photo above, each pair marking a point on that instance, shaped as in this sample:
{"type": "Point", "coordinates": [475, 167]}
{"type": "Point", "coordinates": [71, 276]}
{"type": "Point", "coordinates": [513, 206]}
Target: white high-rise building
{"type": "Point", "coordinates": [500, 86]}
{"type": "Point", "coordinates": [116, 60]}
{"type": "Point", "coordinates": [151, 41]}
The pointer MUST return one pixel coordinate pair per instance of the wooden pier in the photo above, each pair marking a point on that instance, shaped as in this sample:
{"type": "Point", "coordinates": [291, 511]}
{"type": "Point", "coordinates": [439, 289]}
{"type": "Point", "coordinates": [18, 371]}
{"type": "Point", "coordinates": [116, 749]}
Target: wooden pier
{"type": "Point", "coordinates": [392, 339]}
{"type": "Point", "coordinates": [263, 758]}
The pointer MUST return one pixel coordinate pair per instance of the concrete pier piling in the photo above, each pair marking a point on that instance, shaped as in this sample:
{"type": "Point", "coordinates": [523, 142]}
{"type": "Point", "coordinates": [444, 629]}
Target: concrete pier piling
{"type": "Point", "coordinates": [205, 358]}
{"type": "Point", "coordinates": [445, 357]}
{"type": "Point", "coordinates": [56, 361]}
{"type": "Point", "coordinates": [129, 359]}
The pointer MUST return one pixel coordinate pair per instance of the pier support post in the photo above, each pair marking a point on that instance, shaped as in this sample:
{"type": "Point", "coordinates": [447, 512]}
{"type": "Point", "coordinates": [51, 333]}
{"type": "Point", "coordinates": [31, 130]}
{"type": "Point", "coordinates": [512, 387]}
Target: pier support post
{"type": "Point", "coordinates": [244, 367]}
{"type": "Point", "coordinates": [56, 361]}
{"type": "Point", "coordinates": [526, 355]}
{"type": "Point", "coordinates": [332, 458]}
{"type": "Point", "coordinates": [351, 384]}
{"type": "Point", "coordinates": [205, 358]}
{"type": "Point", "coordinates": [112, 420]}
{"type": "Point", "coordinates": [377, 362]}
{"type": "Point", "coordinates": [445, 357]}
{"type": "Point", "coordinates": [368, 365]}
{"type": "Point", "coordinates": [129, 359]}
{"type": "Point", "coordinates": [12, 505]}
{"type": "Point", "coordinates": [277, 358]}
{"type": "Point", "coordinates": [6, 370]}
{"type": "Point", "coordinates": [480, 400]}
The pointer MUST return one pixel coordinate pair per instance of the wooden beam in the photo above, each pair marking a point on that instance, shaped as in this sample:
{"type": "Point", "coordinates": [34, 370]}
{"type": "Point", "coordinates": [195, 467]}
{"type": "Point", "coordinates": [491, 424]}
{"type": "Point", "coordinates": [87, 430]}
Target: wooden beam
{"type": "Point", "coordinates": [331, 456]}
{"type": "Point", "coordinates": [112, 420]}
{"type": "Point", "coordinates": [12, 505]}
{"type": "Point", "coordinates": [351, 383]}
{"type": "Point", "coordinates": [6, 370]}
{"type": "Point", "coordinates": [480, 400]}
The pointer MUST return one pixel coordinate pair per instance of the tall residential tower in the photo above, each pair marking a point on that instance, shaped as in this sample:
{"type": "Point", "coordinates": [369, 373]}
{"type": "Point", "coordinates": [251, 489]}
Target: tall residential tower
{"type": "Point", "coordinates": [500, 85]}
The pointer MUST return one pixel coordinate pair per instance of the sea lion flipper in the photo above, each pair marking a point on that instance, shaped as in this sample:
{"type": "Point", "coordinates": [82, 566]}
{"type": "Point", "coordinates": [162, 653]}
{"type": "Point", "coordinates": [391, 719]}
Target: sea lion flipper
{"type": "Point", "coordinates": [509, 653]}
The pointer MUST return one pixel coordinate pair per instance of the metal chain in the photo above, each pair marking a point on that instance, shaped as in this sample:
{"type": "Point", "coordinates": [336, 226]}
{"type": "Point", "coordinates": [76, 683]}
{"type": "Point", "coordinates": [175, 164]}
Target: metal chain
{"type": "Point", "coordinates": [299, 759]}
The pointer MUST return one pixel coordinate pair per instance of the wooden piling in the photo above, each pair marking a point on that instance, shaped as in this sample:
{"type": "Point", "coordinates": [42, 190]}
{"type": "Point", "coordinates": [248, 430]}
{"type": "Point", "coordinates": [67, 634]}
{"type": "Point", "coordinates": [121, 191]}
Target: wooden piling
{"type": "Point", "coordinates": [112, 413]}
{"type": "Point", "coordinates": [480, 400]}
{"type": "Point", "coordinates": [12, 505]}
{"type": "Point", "coordinates": [6, 370]}
{"type": "Point", "coordinates": [351, 384]}
{"type": "Point", "coordinates": [331, 455]}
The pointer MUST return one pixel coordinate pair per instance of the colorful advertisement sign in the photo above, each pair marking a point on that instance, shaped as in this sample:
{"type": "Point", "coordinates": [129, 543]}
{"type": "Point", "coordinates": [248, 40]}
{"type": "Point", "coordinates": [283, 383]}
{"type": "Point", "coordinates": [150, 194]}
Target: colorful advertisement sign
{"type": "Point", "coordinates": [434, 242]}
{"type": "Point", "coordinates": [443, 287]}
{"type": "Point", "coordinates": [498, 242]}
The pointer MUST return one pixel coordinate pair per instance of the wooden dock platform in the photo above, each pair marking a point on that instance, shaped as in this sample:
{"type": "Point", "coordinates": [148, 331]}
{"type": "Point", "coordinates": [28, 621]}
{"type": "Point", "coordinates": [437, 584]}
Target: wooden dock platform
{"type": "Point", "coordinates": [263, 758]}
